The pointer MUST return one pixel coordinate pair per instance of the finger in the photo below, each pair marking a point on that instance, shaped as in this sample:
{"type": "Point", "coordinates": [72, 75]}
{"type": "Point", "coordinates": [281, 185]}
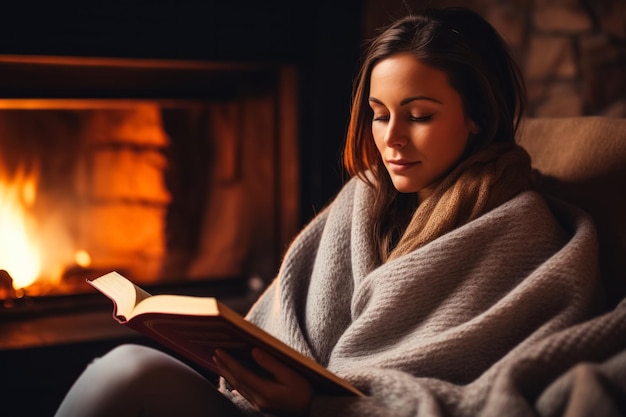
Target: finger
{"type": "Point", "coordinates": [292, 391]}
{"type": "Point", "coordinates": [289, 393]}
{"type": "Point", "coordinates": [239, 376]}
{"type": "Point", "coordinates": [240, 379]}
{"type": "Point", "coordinates": [281, 372]}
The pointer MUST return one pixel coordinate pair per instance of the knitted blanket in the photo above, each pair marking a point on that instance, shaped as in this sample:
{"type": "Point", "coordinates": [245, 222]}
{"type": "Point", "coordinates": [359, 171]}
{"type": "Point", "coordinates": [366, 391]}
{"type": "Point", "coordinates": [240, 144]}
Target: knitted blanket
{"type": "Point", "coordinates": [493, 318]}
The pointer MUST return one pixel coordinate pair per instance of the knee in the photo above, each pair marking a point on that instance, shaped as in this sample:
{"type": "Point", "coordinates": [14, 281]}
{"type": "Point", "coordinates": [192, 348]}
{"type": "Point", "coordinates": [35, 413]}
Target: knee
{"type": "Point", "coordinates": [129, 353]}
{"type": "Point", "coordinates": [129, 362]}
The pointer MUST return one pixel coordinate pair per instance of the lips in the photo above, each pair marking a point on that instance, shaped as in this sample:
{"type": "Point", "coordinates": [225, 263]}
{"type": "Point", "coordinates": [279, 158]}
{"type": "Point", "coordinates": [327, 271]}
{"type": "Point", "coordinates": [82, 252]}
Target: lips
{"type": "Point", "coordinates": [399, 165]}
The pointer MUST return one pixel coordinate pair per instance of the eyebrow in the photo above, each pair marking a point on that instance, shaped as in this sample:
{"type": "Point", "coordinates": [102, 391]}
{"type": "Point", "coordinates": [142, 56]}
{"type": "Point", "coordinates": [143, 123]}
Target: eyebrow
{"type": "Point", "coordinates": [407, 100]}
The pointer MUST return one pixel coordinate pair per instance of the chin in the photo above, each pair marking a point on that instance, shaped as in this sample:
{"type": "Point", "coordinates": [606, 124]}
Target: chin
{"type": "Point", "coordinates": [404, 186]}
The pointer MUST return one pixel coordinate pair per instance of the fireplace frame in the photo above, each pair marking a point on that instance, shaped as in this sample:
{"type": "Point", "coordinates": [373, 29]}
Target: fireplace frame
{"type": "Point", "coordinates": [62, 82]}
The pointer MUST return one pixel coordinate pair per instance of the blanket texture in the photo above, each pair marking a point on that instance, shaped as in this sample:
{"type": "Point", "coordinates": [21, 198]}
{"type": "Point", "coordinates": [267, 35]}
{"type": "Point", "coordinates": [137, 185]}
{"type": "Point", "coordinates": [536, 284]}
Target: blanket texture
{"type": "Point", "coordinates": [477, 185]}
{"type": "Point", "coordinates": [497, 317]}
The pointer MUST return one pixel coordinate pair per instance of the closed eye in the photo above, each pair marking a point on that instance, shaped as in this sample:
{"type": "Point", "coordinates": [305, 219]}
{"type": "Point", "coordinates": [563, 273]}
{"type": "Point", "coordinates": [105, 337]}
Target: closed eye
{"type": "Point", "coordinates": [421, 118]}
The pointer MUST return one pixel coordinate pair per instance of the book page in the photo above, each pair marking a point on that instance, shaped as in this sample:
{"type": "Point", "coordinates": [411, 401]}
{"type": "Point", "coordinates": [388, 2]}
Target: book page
{"type": "Point", "coordinates": [124, 294]}
{"type": "Point", "coordinates": [185, 305]}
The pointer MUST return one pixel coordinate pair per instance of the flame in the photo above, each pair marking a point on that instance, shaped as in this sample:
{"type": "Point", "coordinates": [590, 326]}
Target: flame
{"type": "Point", "coordinates": [82, 258]}
{"type": "Point", "coordinates": [19, 254]}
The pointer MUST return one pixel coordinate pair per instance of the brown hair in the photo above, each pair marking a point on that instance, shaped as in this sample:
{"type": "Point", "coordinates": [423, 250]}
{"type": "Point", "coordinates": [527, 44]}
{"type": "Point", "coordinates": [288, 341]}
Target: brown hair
{"type": "Point", "coordinates": [479, 67]}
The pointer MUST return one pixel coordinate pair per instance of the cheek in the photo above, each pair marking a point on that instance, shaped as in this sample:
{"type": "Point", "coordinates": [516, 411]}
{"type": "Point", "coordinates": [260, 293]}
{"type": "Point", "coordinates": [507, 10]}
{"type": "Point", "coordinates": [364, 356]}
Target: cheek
{"type": "Point", "coordinates": [445, 143]}
{"type": "Point", "coordinates": [378, 135]}
{"type": "Point", "coordinates": [460, 138]}
{"type": "Point", "coordinates": [457, 145]}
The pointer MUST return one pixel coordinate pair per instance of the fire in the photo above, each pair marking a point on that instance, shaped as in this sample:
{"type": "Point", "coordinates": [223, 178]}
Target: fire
{"type": "Point", "coordinates": [19, 254]}
{"type": "Point", "coordinates": [82, 258]}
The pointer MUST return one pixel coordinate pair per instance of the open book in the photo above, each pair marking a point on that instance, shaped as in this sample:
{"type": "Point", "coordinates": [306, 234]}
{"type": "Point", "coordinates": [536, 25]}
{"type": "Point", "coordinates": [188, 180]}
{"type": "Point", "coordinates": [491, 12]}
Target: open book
{"type": "Point", "coordinates": [195, 326]}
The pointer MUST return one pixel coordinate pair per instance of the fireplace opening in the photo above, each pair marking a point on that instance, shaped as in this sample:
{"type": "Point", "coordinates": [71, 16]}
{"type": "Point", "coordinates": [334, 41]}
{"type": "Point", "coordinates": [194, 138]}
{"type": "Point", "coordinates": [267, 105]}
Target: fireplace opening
{"type": "Point", "coordinates": [182, 173]}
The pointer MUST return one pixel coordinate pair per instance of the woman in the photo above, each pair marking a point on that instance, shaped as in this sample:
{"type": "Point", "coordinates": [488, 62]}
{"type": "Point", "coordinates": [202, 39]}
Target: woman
{"type": "Point", "coordinates": [426, 278]}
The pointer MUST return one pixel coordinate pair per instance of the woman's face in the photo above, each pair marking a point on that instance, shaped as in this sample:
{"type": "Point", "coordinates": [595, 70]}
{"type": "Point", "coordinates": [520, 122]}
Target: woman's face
{"type": "Point", "coordinates": [419, 125]}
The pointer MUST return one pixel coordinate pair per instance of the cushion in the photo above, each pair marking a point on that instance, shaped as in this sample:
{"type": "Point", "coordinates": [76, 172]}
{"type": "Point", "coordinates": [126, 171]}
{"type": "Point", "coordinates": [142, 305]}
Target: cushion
{"type": "Point", "coordinates": [582, 160]}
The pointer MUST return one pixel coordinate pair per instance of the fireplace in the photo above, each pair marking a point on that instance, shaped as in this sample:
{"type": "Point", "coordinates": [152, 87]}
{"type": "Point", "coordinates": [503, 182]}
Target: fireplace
{"type": "Point", "coordinates": [170, 172]}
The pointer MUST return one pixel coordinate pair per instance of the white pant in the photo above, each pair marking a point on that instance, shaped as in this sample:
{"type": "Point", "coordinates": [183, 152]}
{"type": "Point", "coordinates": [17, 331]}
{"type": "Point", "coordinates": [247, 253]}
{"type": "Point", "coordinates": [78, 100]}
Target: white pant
{"type": "Point", "coordinates": [134, 380]}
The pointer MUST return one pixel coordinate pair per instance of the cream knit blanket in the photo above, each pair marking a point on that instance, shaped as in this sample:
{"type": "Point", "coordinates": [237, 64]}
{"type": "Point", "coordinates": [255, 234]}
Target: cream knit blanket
{"type": "Point", "coordinates": [488, 319]}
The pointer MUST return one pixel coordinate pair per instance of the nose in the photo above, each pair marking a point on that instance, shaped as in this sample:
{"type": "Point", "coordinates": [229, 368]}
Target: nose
{"type": "Point", "coordinates": [395, 135]}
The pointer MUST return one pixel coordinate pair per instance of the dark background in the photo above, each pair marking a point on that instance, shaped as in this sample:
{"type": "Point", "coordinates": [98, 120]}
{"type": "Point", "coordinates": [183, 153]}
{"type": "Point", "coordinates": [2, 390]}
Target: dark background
{"type": "Point", "coordinates": [322, 39]}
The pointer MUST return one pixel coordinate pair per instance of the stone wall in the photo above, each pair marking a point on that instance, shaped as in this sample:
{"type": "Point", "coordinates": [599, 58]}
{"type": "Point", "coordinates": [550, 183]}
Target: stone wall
{"type": "Point", "coordinates": [572, 52]}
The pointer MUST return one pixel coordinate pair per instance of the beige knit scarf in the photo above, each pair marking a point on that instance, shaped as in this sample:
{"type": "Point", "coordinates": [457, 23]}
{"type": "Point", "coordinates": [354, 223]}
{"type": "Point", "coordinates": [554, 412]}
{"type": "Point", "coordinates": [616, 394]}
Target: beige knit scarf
{"type": "Point", "coordinates": [477, 185]}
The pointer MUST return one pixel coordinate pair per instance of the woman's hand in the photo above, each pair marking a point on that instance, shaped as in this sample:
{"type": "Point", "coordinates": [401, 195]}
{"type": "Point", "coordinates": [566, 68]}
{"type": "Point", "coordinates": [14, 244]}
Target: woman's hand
{"type": "Point", "coordinates": [288, 393]}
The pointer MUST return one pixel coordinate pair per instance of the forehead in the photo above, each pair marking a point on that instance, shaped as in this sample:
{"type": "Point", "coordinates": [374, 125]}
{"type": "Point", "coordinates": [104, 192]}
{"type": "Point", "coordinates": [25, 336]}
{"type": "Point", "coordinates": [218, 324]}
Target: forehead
{"type": "Point", "coordinates": [404, 72]}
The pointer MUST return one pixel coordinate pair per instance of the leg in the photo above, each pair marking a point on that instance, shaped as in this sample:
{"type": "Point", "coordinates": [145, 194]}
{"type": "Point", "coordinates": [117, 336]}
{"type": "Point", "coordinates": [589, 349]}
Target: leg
{"type": "Point", "coordinates": [133, 380]}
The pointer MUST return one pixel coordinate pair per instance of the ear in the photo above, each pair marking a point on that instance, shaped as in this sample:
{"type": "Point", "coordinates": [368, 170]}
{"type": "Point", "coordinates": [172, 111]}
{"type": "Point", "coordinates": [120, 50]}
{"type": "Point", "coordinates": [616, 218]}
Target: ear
{"type": "Point", "coordinates": [474, 128]}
